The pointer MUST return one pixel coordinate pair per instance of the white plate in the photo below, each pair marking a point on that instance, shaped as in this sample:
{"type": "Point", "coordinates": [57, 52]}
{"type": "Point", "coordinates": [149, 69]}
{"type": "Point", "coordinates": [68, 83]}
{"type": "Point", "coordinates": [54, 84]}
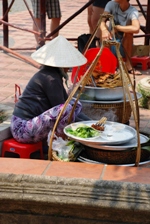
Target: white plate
{"type": "Point", "coordinates": [76, 125]}
{"type": "Point", "coordinates": [85, 160]}
{"type": "Point", "coordinates": [110, 101]}
{"type": "Point", "coordinates": [114, 134]}
{"type": "Point", "coordinates": [130, 144]}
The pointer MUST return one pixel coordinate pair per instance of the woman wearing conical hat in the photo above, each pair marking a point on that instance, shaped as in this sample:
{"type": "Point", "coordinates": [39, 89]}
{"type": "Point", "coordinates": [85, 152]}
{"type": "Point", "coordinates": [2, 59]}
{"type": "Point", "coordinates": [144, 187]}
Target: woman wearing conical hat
{"type": "Point", "coordinates": [44, 96]}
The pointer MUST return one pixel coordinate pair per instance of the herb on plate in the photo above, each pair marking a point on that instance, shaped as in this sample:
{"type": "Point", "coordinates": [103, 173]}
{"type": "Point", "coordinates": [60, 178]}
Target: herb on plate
{"type": "Point", "coordinates": [83, 132]}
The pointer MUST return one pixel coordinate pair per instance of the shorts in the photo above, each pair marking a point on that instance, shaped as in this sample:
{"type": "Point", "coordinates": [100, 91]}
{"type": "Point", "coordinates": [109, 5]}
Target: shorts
{"type": "Point", "coordinates": [100, 3]}
{"type": "Point", "coordinates": [113, 49]}
{"type": "Point", "coordinates": [52, 8]}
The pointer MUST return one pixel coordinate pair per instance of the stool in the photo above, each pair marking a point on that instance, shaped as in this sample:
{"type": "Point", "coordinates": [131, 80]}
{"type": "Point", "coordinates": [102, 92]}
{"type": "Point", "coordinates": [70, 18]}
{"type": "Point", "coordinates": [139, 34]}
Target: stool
{"type": "Point", "coordinates": [145, 61]}
{"type": "Point", "coordinates": [22, 149]}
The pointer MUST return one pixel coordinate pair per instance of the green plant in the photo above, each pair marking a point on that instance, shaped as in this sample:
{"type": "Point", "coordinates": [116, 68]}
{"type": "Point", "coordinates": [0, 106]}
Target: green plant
{"type": "Point", "coordinates": [2, 116]}
{"type": "Point", "coordinates": [145, 96]}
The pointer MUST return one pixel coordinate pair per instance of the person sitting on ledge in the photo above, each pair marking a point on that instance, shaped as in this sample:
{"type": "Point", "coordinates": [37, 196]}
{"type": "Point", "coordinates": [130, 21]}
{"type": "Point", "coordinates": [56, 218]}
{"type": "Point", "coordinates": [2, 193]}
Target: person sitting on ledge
{"type": "Point", "coordinates": [126, 24]}
{"type": "Point", "coordinates": [42, 100]}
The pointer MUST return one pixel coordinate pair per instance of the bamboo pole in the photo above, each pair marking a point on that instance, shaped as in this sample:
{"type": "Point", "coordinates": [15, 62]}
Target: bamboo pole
{"type": "Point", "coordinates": [19, 28]}
{"type": "Point", "coordinates": [126, 80]}
{"type": "Point", "coordinates": [29, 60]}
{"type": "Point", "coordinates": [134, 106]}
{"type": "Point", "coordinates": [87, 47]}
{"type": "Point", "coordinates": [74, 90]}
{"type": "Point", "coordinates": [8, 9]}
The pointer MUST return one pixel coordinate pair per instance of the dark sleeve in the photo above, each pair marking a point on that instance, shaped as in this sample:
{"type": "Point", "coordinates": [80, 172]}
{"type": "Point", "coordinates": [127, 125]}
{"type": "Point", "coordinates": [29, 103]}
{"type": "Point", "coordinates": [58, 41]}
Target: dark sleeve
{"type": "Point", "coordinates": [55, 91]}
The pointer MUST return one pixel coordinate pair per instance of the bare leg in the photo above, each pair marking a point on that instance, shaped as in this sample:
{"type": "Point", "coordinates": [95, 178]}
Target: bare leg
{"type": "Point", "coordinates": [89, 16]}
{"type": "Point", "coordinates": [128, 45]}
{"type": "Point", "coordinates": [95, 18]}
{"type": "Point", "coordinates": [54, 24]}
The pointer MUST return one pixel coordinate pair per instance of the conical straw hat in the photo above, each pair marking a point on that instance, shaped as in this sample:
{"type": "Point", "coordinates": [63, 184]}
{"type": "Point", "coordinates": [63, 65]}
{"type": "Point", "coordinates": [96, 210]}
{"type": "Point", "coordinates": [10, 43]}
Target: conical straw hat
{"type": "Point", "coordinates": [59, 52]}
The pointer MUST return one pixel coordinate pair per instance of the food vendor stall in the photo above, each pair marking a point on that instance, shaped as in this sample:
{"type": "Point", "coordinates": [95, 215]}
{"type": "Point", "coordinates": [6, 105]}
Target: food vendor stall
{"type": "Point", "coordinates": [123, 127]}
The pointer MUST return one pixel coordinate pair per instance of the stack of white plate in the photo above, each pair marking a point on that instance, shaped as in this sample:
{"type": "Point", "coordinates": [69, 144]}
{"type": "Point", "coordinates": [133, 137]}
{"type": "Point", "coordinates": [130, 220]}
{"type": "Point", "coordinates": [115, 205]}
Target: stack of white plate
{"type": "Point", "coordinates": [115, 137]}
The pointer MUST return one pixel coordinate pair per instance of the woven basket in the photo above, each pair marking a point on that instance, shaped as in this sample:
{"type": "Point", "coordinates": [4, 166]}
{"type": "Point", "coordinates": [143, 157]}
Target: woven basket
{"type": "Point", "coordinates": [115, 157]}
{"type": "Point", "coordinates": [55, 157]}
{"type": "Point", "coordinates": [113, 111]}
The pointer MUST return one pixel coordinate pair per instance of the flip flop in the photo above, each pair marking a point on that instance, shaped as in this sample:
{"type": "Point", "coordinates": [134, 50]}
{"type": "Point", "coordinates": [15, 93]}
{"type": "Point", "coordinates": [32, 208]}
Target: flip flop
{"type": "Point", "coordinates": [133, 71]}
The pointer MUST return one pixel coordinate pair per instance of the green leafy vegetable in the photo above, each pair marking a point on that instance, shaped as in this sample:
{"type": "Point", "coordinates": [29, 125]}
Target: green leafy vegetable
{"type": "Point", "coordinates": [83, 132]}
{"type": "Point", "coordinates": [75, 151]}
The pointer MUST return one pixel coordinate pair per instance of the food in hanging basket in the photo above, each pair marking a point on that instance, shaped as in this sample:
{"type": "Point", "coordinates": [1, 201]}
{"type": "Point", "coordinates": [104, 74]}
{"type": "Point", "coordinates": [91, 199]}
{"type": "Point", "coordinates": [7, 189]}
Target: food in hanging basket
{"type": "Point", "coordinates": [105, 80]}
{"type": "Point", "coordinates": [107, 86]}
{"type": "Point", "coordinates": [103, 86]}
{"type": "Point", "coordinates": [103, 64]}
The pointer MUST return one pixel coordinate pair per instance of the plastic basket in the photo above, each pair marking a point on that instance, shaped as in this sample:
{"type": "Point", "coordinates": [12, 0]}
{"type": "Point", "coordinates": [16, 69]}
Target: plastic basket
{"type": "Point", "coordinates": [107, 60]}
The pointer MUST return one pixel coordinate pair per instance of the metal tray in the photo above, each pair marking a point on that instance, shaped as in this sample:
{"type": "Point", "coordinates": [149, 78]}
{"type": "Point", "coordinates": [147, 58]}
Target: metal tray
{"type": "Point", "coordinates": [110, 101]}
{"type": "Point", "coordinates": [86, 160]}
{"type": "Point", "coordinates": [130, 144]}
{"type": "Point", "coordinates": [114, 134]}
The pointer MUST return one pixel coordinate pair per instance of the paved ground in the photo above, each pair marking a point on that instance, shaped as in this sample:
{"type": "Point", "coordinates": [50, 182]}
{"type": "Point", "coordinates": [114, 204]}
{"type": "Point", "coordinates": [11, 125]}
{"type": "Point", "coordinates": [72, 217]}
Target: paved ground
{"type": "Point", "coordinates": [14, 70]}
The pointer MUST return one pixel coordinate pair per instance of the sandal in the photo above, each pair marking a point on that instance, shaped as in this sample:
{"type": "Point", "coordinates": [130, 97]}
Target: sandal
{"type": "Point", "coordinates": [133, 71]}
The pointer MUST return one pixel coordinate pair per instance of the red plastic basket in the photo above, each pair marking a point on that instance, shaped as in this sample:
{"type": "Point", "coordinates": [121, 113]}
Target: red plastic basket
{"type": "Point", "coordinates": [107, 61]}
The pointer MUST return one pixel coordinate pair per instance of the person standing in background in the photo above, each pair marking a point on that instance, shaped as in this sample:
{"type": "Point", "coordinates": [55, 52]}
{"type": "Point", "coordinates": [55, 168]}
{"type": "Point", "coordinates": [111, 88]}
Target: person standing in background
{"type": "Point", "coordinates": [126, 20]}
{"type": "Point", "coordinates": [94, 11]}
{"type": "Point", "coordinates": [53, 12]}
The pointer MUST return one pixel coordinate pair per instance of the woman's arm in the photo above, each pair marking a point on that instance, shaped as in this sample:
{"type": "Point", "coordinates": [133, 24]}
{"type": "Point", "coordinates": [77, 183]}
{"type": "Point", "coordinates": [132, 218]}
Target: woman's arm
{"type": "Point", "coordinates": [133, 28]}
{"type": "Point", "coordinates": [105, 34]}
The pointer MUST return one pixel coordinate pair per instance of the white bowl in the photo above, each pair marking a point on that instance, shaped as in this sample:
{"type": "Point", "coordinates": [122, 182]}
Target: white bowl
{"type": "Point", "coordinates": [108, 93]}
{"type": "Point", "coordinates": [88, 93]}
{"type": "Point", "coordinates": [100, 93]}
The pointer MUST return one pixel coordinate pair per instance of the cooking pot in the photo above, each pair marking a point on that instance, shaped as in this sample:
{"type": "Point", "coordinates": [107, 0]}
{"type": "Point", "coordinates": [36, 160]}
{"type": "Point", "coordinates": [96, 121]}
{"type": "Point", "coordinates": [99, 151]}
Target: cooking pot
{"type": "Point", "coordinates": [99, 93]}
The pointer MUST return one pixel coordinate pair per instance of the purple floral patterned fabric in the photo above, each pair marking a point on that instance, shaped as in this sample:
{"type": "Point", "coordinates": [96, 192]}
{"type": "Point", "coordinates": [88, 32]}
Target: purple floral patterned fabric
{"type": "Point", "coordinates": [37, 128]}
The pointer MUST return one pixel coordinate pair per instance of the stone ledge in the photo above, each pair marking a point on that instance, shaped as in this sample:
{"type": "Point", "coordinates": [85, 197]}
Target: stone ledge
{"type": "Point", "coordinates": [83, 200]}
